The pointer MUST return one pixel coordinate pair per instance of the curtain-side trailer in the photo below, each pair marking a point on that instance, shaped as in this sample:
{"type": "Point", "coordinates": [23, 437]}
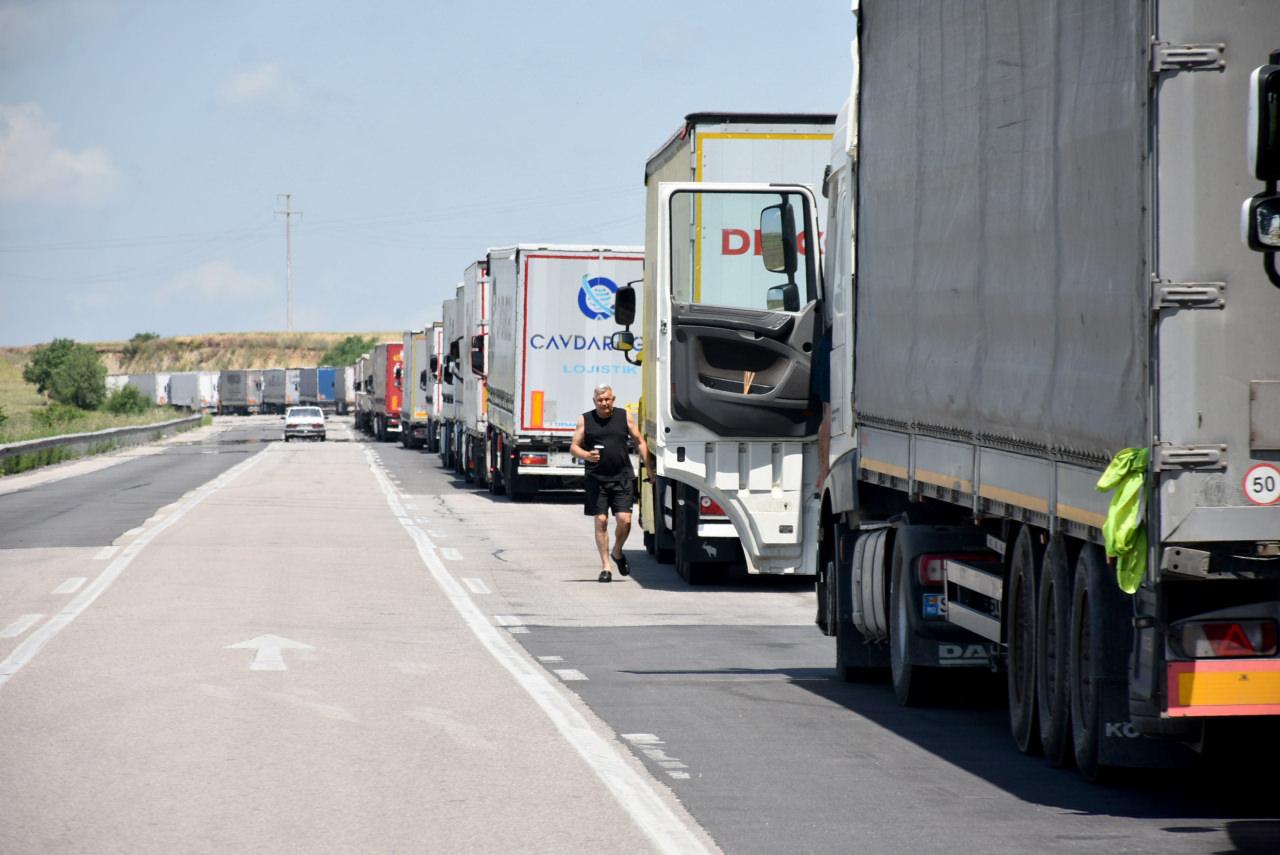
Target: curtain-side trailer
{"type": "Point", "coordinates": [1051, 298]}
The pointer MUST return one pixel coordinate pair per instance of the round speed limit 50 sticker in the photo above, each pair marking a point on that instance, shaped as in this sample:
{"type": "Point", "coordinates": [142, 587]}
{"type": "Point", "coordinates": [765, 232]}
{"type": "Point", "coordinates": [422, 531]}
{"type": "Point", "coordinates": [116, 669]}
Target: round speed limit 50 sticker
{"type": "Point", "coordinates": [1262, 484]}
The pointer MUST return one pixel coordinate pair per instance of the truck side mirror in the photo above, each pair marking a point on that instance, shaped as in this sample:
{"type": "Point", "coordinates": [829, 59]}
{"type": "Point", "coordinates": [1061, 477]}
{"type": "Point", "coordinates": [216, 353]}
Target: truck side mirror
{"type": "Point", "coordinates": [1263, 133]}
{"type": "Point", "coordinates": [477, 355]}
{"type": "Point", "coordinates": [785, 298]}
{"type": "Point", "coordinates": [778, 239]}
{"type": "Point", "coordinates": [624, 306]}
{"type": "Point", "coordinates": [435, 365]}
{"type": "Point", "coordinates": [1260, 222]}
{"type": "Point", "coordinates": [625, 341]}
{"type": "Point", "coordinates": [422, 379]}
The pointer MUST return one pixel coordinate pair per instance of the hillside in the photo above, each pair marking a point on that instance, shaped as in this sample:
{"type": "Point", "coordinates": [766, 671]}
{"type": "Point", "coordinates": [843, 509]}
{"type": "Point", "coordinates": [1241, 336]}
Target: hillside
{"type": "Point", "coordinates": [212, 351]}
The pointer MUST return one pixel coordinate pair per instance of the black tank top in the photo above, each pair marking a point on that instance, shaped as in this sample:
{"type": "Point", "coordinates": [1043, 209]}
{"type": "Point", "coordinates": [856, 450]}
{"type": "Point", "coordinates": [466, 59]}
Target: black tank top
{"type": "Point", "coordinates": [613, 434]}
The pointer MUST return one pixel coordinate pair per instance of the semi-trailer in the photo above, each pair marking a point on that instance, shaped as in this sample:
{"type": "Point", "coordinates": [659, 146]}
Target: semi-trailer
{"type": "Point", "coordinates": [413, 403]}
{"type": "Point", "coordinates": [318, 387]}
{"type": "Point", "coordinates": [473, 446]}
{"type": "Point", "coordinates": [344, 389]}
{"type": "Point", "coordinates": [281, 389]}
{"type": "Point", "coordinates": [239, 392]}
{"type": "Point", "coordinates": [194, 390]}
{"type": "Point", "coordinates": [688, 514]}
{"type": "Point", "coordinates": [153, 387]}
{"type": "Point", "coordinates": [549, 345]}
{"type": "Point", "coordinates": [451, 377]}
{"type": "Point", "coordinates": [388, 382]}
{"type": "Point", "coordinates": [1036, 293]}
{"type": "Point", "coordinates": [430, 378]}
{"type": "Point", "coordinates": [363, 370]}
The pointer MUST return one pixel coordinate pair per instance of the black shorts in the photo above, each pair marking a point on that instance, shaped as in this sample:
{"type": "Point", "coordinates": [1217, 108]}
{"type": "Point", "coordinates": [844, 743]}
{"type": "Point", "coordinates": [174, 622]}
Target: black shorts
{"type": "Point", "coordinates": [605, 496]}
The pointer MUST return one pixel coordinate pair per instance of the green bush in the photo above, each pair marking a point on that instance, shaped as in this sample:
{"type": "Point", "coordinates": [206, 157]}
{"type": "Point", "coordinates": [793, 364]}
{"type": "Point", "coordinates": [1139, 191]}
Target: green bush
{"type": "Point", "coordinates": [127, 401]}
{"type": "Point", "coordinates": [4, 417]}
{"type": "Point", "coordinates": [135, 345]}
{"type": "Point", "coordinates": [68, 373]}
{"type": "Point", "coordinates": [57, 415]}
{"type": "Point", "coordinates": [347, 351]}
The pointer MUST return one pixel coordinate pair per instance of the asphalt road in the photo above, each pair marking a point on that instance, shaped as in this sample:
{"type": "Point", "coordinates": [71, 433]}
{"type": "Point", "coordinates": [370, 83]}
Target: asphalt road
{"type": "Point", "coordinates": [341, 647]}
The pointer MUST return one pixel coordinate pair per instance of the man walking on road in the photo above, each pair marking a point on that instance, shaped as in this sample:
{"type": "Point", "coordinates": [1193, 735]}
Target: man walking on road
{"type": "Point", "coordinates": [600, 439]}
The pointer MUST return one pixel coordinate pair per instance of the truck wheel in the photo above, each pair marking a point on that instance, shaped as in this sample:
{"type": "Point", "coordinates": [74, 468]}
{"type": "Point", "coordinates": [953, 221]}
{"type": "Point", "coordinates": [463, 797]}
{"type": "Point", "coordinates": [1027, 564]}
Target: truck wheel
{"type": "Point", "coordinates": [515, 489]}
{"type": "Point", "coordinates": [1092, 602]}
{"type": "Point", "coordinates": [688, 567]}
{"type": "Point", "coordinates": [1020, 623]}
{"type": "Point", "coordinates": [912, 684]}
{"type": "Point", "coordinates": [493, 460]}
{"type": "Point", "coordinates": [469, 460]}
{"type": "Point", "coordinates": [1053, 629]}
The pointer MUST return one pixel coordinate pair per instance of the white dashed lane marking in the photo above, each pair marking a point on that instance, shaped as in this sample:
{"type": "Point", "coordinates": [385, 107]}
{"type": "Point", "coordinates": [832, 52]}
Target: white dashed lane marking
{"type": "Point", "coordinates": [550, 658]}
{"type": "Point", "coordinates": [569, 674]}
{"type": "Point", "coordinates": [477, 586]}
{"type": "Point", "coordinates": [19, 626]}
{"type": "Point", "coordinates": [71, 585]}
{"type": "Point", "coordinates": [450, 554]}
{"type": "Point", "coordinates": [650, 746]}
{"type": "Point", "coordinates": [105, 552]}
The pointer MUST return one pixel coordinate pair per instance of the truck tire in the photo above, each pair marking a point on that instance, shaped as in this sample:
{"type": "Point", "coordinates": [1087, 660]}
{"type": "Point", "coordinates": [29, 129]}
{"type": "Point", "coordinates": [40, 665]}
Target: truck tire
{"type": "Point", "coordinates": [494, 461]}
{"type": "Point", "coordinates": [688, 567]}
{"type": "Point", "coordinates": [468, 460]}
{"type": "Point", "coordinates": [912, 684]}
{"type": "Point", "coordinates": [1096, 626]}
{"type": "Point", "coordinates": [515, 488]}
{"type": "Point", "coordinates": [1020, 631]}
{"type": "Point", "coordinates": [1053, 631]}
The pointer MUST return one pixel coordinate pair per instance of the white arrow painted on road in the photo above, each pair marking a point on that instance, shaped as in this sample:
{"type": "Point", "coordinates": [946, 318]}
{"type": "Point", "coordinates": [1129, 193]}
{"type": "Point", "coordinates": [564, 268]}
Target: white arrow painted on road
{"type": "Point", "coordinates": [269, 657]}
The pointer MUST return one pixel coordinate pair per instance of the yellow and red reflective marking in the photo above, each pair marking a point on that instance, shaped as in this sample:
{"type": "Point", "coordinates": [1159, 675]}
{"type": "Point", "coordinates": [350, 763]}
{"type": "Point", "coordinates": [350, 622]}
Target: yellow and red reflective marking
{"type": "Point", "coordinates": [1224, 687]}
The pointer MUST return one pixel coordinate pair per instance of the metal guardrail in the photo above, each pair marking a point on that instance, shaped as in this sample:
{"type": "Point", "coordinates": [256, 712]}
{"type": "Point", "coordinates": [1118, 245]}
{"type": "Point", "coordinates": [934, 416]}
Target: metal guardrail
{"type": "Point", "coordinates": [82, 442]}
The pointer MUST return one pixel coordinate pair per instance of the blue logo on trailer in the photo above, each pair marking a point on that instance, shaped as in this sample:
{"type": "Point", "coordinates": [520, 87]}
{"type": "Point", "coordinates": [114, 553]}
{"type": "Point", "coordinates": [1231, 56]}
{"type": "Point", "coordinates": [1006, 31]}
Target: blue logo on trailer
{"type": "Point", "coordinates": [595, 297]}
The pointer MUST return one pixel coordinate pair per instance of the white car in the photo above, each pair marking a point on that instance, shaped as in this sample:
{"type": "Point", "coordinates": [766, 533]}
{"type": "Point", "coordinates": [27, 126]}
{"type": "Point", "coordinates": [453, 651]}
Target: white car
{"type": "Point", "coordinates": [304, 423]}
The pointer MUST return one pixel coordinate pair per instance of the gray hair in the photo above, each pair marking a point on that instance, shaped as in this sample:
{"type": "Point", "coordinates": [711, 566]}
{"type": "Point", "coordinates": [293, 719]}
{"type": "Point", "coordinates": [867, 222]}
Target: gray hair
{"type": "Point", "coordinates": [603, 387]}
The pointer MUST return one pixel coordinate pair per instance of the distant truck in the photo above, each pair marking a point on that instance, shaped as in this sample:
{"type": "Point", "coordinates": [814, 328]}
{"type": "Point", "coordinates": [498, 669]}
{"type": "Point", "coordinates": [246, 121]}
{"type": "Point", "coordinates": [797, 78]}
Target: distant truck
{"type": "Point", "coordinates": [281, 389]}
{"type": "Point", "coordinates": [318, 387]}
{"type": "Point", "coordinates": [153, 387]}
{"type": "Point", "coordinates": [344, 389]}
{"type": "Point", "coordinates": [414, 417]}
{"type": "Point", "coordinates": [695, 512]}
{"type": "Point", "coordinates": [451, 380]}
{"type": "Point", "coordinates": [364, 396]}
{"type": "Point", "coordinates": [387, 368]}
{"type": "Point", "coordinates": [239, 392]}
{"type": "Point", "coordinates": [430, 380]}
{"type": "Point", "coordinates": [195, 390]}
{"type": "Point", "coordinates": [548, 346]}
{"type": "Point", "coordinates": [473, 448]}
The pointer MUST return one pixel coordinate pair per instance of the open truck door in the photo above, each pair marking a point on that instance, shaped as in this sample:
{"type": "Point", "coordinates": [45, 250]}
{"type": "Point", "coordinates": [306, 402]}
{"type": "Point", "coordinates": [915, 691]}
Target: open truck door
{"type": "Point", "coordinates": [737, 316]}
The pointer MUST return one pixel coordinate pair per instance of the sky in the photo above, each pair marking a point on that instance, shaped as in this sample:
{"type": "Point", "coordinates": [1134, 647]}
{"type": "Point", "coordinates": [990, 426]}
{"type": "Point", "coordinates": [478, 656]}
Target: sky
{"type": "Point", "coordinates": [143, 145]}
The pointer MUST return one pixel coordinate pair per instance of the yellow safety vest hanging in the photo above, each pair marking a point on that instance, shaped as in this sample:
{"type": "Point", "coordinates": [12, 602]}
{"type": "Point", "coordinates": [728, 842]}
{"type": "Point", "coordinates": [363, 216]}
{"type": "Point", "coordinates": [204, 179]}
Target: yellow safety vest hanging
{"type": "Point", "coordinates": [1124, 531]}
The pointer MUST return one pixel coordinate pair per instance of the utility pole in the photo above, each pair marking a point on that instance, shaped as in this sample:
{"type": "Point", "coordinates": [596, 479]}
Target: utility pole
{"type": "Point", "coordinates": [288, 255]}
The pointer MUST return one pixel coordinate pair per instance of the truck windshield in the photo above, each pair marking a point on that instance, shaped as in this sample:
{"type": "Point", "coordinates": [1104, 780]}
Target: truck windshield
{"type": "Point", "coordinates": [716, 253]}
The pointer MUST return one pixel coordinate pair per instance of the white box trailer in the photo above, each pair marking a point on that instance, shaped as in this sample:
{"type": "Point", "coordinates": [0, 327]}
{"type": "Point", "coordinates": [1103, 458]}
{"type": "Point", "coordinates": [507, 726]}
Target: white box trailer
{"type": "Point", "coordinates": [281, 389]}
{"type": "Point", "coordinates": [549, 346]}
{"type": "Point", "coordinates": [434, 384]}
{"type": "Point", "coordinates": [195, 390]}
{"type": "Point", "coordinates": [413, 403]}
{"type": "Point", "coordinates": [154, 387]}
{"type": "Point", "coordinates": [681, 523]}
{"type": "Point", "coordinates": [116, 382]}
{"type": "Point", "coordinates": [344, 389]}
{"type": "Point", "coordinates": [474, 421]}
{"type": "Point", "coordinates": [239, 391]}
{"type": "Point", "coordinates": [451, 377]}
{"type": "Point", "coordinates": [363, 370]}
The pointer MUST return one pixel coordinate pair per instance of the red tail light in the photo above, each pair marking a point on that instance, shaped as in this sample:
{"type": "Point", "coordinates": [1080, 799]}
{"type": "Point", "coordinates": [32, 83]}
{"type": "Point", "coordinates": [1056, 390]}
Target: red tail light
{"type": "Point", "coordinates": [1227, 639]}
{"type": "Point", "coordinates": [707, 507]}
{"type": "Point", "coordinates": [932, 570]}
{"type": "Point", "coordinates": [318, 425]}
{"type": "Point", "coordinates": [532, 459]}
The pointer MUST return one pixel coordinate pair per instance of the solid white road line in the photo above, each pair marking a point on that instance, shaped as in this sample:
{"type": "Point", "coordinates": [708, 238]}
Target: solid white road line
{"type": "Point", "coordinates": [19, 626]}
{"type": "Point", "coordinates": [570, 674]}
{"type": "Point", "coordinates": [33, 644]}
{"type": "Point", "coordinates": [633, 791]}
{"type": "Point", "coordinates": [71, 585]}
{"type": "Point", "coordinates": [477, 586]}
